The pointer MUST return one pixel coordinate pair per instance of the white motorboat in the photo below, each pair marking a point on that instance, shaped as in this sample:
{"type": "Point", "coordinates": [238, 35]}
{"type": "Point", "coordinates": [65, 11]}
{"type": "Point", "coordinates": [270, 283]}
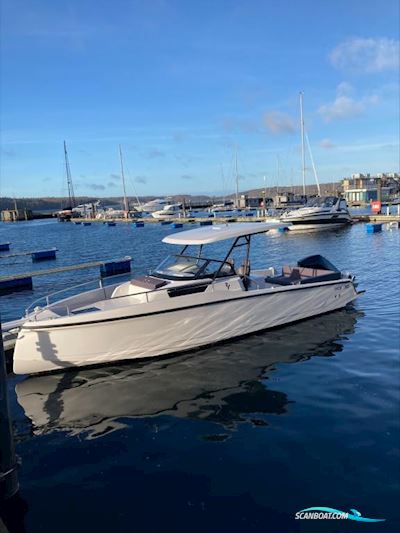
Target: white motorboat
{"type": "Point", "coordinates": [168, 211]}
{"type": "Point", "coordinates": [222, 207]}
{"type": "Point", "coordinates": [154, 205]}
{"type": "Point", "coordinates": [319, 213]}
{"type": "Point", "coordinates": [188, 301]}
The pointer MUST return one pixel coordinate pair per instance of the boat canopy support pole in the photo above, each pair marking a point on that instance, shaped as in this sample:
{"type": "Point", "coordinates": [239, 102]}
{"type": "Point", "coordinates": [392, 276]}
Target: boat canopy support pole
{"type": "Point", "coordinates": [235, 244]}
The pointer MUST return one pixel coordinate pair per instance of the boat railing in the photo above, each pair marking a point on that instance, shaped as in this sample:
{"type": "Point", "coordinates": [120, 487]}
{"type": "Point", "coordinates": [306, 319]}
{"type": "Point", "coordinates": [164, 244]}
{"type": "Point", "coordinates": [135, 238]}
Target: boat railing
{"type": "Point", "coordinates": [45, 302]}
{"type": "Point", "coordinates": [48, 300]}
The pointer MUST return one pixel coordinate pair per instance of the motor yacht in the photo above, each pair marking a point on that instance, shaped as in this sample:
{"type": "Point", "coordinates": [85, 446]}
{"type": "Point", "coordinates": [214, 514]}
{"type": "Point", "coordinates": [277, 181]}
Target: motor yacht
{"type": "Point", "coordinates": [188, 301]}
{"type": "Point", "coordinates": [222, 207]}
{"type": "Point", "coordinates": [154, 205]}
{"type": "Point", "coordinates": [319, 213]}
{"type": "Point", "coordinates": [169, 211]}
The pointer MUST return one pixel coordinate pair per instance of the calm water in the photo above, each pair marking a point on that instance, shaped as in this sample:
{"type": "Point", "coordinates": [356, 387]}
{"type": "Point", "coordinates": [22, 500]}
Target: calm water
{"type": "Point", "coordinates": [234, 438]}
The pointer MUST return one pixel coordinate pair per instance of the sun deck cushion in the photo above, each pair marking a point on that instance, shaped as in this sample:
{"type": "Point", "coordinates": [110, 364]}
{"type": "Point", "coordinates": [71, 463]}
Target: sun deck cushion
{"type": "Point", "coordinates": [149, 282]}
{"type": "Point", "coordinates": [297, 275]}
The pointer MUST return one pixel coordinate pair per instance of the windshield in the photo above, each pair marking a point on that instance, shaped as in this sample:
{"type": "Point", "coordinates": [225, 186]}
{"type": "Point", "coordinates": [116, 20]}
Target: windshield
{"type": "Point", "coordinates": [187, 267]}
{"type": "Point", "coordinates": [324, 201]}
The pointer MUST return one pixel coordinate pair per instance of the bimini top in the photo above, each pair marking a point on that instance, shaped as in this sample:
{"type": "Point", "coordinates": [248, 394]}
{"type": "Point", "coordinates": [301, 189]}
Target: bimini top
{"type": "Point", "coordinates": [221, 232]}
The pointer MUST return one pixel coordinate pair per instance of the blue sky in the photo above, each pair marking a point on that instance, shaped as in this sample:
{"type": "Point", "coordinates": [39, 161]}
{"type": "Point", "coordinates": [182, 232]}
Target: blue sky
{"type": "Point", "coordinates": [181, 84]}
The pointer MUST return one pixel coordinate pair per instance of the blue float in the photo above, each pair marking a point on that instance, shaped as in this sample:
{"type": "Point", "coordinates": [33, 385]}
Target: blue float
{"type": "Point", "coordinates": [4, 246]}
{"type": "Point", "coordinates": [78, 222]}
{"type": "Point", "coordinates": [17, 284]}
{"type": "Point", "coordinates": [206, 222]}
{"type": "Point", "coordinates": [111, 223]}
{"type": "Point", "coordinates": [373, 228]}
{"type": "Point", "coordinates": [44, 255]}
{"type": "Point", "coordinates": [113, 268]}
{"type": "Point", "coordinates": [177, 225]}
{"type": "Point", "coordinates": [139, 224]}
{"type": "Point", "coordinates": [165, 222]}
{"type": "Point", "coordinates": [87, 223]}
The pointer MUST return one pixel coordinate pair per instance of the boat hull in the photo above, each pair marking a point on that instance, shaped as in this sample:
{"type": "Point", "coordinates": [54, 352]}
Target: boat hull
{"type": "Point", "coordinates": [315, 226]}
{"type": "Point", "coordinates": [196, 323]}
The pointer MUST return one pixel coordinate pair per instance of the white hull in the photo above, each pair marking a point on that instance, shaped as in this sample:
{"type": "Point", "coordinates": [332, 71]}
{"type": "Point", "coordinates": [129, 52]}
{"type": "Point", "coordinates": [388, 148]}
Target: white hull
{"type": "Point", "coordinates": [148, 330]}
{"type": "Point", "coordinates": [314, 227]}
{"type": "Point", "coordinates": [166, 216]}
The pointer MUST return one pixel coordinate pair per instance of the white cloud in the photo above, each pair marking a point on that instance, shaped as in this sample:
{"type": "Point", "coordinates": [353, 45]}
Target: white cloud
{"type": "Point", "coordinates": [366, 55]}
{"type": "Point", "coordinates": [326, 143]}
{"type": "Point", "coordinates": [278, 123]}
{"type": "Point", "coordinates": [346, 106]}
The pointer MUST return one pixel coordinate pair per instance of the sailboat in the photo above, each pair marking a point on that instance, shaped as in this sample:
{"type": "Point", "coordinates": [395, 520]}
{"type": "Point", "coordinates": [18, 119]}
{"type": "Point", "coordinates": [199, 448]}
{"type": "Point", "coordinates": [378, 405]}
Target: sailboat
{"type": "Point", "coordinates": [319, 212]}
{"type": "Point", "coordinates": [65, 214]}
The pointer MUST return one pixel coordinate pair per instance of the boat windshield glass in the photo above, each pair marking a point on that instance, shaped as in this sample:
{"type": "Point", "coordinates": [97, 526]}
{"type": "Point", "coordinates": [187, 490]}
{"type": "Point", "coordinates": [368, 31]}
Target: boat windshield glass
{"type": "Point", "coordinates": [323, 201]}
{"type": "Point", "coordinates": [187, 267]}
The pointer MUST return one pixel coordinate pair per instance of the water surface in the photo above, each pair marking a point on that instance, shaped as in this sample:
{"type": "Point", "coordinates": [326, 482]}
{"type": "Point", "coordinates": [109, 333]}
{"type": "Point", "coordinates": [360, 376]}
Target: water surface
{"type": "Point", "coordinates": [232, 438]}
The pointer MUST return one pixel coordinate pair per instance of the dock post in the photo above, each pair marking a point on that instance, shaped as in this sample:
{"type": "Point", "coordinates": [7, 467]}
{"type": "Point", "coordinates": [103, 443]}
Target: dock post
{"type": "Point", "coordinates": [8, 468]}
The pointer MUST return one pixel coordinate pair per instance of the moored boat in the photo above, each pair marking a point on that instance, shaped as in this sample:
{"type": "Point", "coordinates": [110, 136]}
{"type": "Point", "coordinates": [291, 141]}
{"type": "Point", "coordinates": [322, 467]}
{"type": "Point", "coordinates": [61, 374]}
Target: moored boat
{"type": "Point", "coordinates": [188, 301]}
{"type": "Point", "coordinates": [168, 211]}
{"type": "Point", "coordinates": [319, 213]}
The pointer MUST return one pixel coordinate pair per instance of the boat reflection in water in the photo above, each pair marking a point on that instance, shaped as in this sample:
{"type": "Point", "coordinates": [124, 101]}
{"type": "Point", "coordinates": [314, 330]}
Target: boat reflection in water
{"type": "Point", "coordinates": [225, 384]}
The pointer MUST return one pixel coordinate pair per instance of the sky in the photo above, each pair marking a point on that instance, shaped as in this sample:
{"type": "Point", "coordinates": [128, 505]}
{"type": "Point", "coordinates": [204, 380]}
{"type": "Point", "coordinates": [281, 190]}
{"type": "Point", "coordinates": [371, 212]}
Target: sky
{"type": "Point", "coordinates": [182, 85]}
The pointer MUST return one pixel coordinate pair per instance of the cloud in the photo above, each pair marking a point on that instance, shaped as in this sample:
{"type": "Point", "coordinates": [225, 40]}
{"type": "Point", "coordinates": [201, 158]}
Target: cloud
{"type": "Point", "coordinates": [115, 177]}
{"type": "Point", "coordinates": [96, 186]}
{"type": "Point", "coordinates": [141, 179]}
{"type": "Point", "coordinates": [279, 123]}
{"type": "Point", "coordinates": [187, 177]}
{"type": "Point", "coordinates": [232, 124]}
{"type": "Point", "coordinates": [179, 136]}
{"type": "Point", "coordinates": [111, 184]}
{"type": "Point", "coordinates": [327, 144]}
{"type": "Point", "coordinates": [8, 153]}
{"type": "Point", "coordinates": [346, 106]}
{"type": "Point", "coordinates": [154, 154]}
{"type": "Point", "coordinates": [186, 160]}
{"type": "Point", "coordinates": [366, 55]}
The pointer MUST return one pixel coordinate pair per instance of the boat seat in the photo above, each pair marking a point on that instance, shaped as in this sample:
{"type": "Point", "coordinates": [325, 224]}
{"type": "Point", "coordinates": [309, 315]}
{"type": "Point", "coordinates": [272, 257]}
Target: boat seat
{"type": "Point", "coordinates": [298, 275]}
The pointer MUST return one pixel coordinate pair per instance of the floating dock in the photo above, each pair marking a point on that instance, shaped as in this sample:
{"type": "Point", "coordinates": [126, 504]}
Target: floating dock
{"type": "Point", "coordinates": [241, 217]}
{"type": "Point", "coordinates": [24, 281]}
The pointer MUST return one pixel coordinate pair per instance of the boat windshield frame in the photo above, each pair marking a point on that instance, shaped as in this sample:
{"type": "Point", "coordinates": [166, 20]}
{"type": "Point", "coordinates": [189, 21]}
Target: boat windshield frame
{"type": "Point", "coordinates": [199, 268]}
{"type": "Point", "coordinates": [322, 201]}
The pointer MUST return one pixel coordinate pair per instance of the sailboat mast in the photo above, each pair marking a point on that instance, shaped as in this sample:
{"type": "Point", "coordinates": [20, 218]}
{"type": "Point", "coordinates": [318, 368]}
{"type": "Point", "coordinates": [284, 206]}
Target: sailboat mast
{"type": "Point", "coordinates": [313, 165]}
{"type": "Point", "coordinates": [126, 207]}
{"type": "Point", "coordinates": [303, 158]}
{"type": "Point", "coordinates": [237, 179]}
{"type": "Point", "coordinates": [71, 194]}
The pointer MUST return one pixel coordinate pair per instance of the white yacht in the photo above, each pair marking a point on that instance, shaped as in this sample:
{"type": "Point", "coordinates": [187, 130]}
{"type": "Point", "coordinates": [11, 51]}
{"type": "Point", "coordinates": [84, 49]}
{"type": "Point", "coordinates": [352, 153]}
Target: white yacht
{"type": "Point", "coordinates": [222, 207]}
{"type": "Point", "coordinates": [188, 301]}
{"type": "Point", "coordinates": [154, 205]}
{"type": "Point", "coordinates": [319, 213]}
{"type": "Point", "coordinates": [168, 211]}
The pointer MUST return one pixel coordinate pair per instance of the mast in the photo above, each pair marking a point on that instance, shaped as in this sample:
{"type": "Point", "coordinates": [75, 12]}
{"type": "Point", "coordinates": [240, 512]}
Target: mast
{"type": "Point", "coordinates": [303, 159]}
{"type": "Point", "coordinates": [70, 186]}
{"type": "Point", "coordinates": [126, 206]}
{"type": "Point", "coordinates": [313, 165]}
{"type": "Point", "coordinates": [223, 183]}
{"type": "Point", "coordinates": [237, 179]}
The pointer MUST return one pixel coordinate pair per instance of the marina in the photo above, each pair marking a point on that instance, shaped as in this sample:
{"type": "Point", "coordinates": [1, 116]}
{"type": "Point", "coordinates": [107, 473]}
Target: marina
{"type": "Point", "coordinates": [199, 267]}
{"type": "Point", "coordinates": [214, 401]}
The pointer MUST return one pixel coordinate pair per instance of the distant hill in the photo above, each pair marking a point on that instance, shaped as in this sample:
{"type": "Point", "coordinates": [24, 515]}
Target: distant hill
{"type": "Point", "coordinates": [56, 203]}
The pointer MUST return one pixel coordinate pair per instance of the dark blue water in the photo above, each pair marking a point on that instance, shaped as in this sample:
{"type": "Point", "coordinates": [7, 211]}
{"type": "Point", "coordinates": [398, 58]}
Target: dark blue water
{"type": "Point", "coordinates": [233, 438]}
